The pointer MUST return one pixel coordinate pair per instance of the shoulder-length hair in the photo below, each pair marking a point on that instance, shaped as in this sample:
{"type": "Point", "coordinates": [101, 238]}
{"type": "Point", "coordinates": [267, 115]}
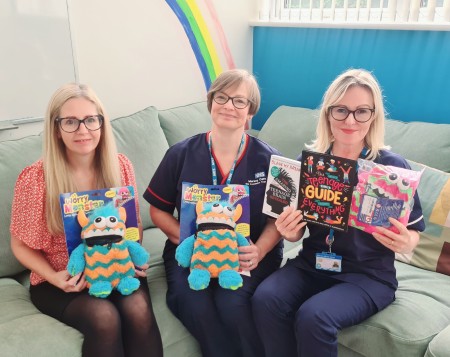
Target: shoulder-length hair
{"type": "Point", "coordinates": [58, 177]}
{"type": "Point", "coordinates": [374, 140]}
{"type": "Point", "coordinates": [234, 77]}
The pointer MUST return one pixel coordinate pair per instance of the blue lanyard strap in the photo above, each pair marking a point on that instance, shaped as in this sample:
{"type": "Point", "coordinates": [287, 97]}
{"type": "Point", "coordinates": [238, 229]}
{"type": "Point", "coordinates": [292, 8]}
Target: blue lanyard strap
{"type": "Point", "coordinates": [213, 163]}
{"type": "Point", "coordinates": [330, 237]}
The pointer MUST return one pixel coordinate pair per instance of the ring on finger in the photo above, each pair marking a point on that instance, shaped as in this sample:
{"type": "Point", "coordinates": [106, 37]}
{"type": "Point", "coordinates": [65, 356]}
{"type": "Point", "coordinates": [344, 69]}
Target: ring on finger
{"type": "Point", "coordinates": [251, 263]}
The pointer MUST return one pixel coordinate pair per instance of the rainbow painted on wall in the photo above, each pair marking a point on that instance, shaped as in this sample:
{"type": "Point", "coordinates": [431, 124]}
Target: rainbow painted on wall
{"type": "Point", "coordinates": [190, 17]}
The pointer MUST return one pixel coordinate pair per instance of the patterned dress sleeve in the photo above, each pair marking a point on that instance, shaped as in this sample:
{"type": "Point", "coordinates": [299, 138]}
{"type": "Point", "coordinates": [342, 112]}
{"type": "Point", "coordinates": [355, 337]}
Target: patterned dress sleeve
{"type": "Point", "coordinates": [28, 221]}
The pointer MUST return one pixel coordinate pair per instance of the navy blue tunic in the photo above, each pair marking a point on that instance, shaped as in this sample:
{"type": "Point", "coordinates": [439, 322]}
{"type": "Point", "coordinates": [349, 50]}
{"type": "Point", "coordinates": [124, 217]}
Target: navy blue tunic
{"type": "Point", "coordinates": [189, 161]}
{"type": "Point", "coordinates": [365, 261]}
{"type": "Point", "coordinates": [226, 326]}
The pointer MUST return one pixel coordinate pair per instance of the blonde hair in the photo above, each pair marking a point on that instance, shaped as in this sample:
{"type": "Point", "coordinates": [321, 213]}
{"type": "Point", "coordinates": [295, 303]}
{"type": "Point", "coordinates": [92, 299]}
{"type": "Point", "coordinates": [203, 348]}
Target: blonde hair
{"type": "Point", "coordinates": [234, 77]}
{"type": "Point", "coordinates": [374, 140]}
{"type": "Point", "coordinates": [56, 169]}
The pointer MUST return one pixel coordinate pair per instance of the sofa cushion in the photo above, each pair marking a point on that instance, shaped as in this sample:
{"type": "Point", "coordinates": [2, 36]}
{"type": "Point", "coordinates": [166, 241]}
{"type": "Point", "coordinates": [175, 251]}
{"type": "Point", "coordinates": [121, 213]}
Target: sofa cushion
{"type": "Point", "coordinates": [397, 330]}
{"type": "Point", "coordinates": [288, 129]}
{"type": "Point", "coordinates": [185, 121]}
{"type": "Point", "coordinates": [440, 345]}
{"type": "Point", "coordinates": [14, 156]}
{"type": "Point", "coordinates": [433, 250]}
{"type": "Point", "coordinates": [24, 331]}
{"type": "Point", "coordinates": [177, 340]}
{"type": "Point", "coordinates": [139, 136]}
{"type": "Point", "coordinates": [427, 143]}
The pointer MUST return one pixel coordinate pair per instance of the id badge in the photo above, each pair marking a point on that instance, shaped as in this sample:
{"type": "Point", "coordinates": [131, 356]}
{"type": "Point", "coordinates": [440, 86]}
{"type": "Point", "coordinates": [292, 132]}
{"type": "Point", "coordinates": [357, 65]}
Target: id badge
{"type": "Point", "coordinates": [329, 262]}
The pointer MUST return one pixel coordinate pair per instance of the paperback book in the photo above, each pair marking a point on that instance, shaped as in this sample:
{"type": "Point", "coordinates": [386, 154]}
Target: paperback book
{"type": "Point", "coordinates": [382, 192]}
{"type": "Point", "coordinates": [73, 202]}
{"type": "Point", "coordinates": [326, 187]}
{"type": "Point", "coordinates": [282, 185]}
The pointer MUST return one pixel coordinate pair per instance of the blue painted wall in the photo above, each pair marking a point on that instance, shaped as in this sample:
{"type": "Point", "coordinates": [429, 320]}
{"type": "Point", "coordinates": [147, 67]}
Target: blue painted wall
{"type": "Point", "coordinates": [294, 66]}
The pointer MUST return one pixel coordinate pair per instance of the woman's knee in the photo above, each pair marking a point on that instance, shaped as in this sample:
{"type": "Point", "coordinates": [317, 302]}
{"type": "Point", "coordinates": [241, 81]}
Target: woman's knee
{"type": "Point", "coordinates": [310, 319]}
{"type": "Point", "coordinates": [105, 319]}
{"type": "Point", "coordinates": [266, 298]}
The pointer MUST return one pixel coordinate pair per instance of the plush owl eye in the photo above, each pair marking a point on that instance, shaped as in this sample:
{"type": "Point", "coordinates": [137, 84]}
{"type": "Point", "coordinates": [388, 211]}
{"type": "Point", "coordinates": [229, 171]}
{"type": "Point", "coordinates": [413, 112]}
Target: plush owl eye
{"type": "Point", "coordinates": [403, 185]}
{"type": "Point", "coordinates": [100, 222]}
{"type": "Point", "coordinates": [111, 221]}
{"type": "Point", "coordinates": [217, 208]}
{"type": "Point", "coordinates": [228, 211]}
{"type": "Point", "coordinates": [392, 178]}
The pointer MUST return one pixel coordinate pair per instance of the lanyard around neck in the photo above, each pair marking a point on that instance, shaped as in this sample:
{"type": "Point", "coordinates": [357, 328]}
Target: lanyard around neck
{"type": "Point", "coordinates": [213, 163]}
{"type": "Point", "coordinates": [330, 237]}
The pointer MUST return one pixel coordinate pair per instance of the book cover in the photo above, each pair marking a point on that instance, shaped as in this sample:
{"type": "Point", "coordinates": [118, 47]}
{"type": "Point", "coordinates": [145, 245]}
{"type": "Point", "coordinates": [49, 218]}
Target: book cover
{"type": "Point", "coordinates": [382, 192]}
{"type": "Point", "coordinates": [234, 195]}
{"type": "Point", "coordinates": [326, 187]}
{"type": "Point", "coordinates": [282, 185]}
{"type": "Point", "coordinates": [234, 198]}
{"type": "Point", "coordinates": [72, 202]}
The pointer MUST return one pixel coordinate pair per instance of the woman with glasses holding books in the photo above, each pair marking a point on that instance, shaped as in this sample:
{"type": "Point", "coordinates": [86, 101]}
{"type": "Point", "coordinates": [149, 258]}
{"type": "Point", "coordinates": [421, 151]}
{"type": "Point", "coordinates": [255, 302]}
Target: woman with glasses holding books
{"type": "Point", "coordinates": [79, 154]}
{"type": "Point", "coordinates": [220, 319]}
{"type": "Point", "coordinates": [301, 307]}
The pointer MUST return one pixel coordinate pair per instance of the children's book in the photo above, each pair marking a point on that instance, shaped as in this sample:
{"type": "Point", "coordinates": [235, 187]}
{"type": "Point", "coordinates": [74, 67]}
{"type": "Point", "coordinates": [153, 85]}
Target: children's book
{"type": "Point", "coordinates": [326, 187]}
{"type": "Point", "coordinates": [73, 202]}
{"type": "Point", "coordinates": [382, 192]}
{"type": "Point", "coordinates": [233, 195]}
{"type": "Point", "coordinates": [282, 185]}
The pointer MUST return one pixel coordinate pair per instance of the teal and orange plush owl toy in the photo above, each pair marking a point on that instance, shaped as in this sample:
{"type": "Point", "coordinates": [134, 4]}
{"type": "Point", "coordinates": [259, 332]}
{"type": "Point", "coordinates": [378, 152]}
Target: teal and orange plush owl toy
{"type": "Point", "coordinates": [212, 252]}
{"type": "Point", "coordinates": [107, 259]}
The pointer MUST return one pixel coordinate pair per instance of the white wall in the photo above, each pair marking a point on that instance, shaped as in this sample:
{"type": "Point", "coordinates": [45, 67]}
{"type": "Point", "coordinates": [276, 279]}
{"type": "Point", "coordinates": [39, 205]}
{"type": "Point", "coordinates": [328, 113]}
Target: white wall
{"type": "Point", "coordinates": [135, 53]}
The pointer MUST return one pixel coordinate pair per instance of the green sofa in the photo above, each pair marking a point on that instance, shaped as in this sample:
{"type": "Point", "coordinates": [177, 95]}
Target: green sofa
{"type": "Point", "coordinates": [416, 324]}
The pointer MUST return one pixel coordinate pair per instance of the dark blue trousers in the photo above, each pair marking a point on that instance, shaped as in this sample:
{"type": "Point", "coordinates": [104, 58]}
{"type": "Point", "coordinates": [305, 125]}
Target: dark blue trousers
{"type": "Point", "coordinates": [298, 313]}
{"type": "Point", "coordinates": [220, 319]}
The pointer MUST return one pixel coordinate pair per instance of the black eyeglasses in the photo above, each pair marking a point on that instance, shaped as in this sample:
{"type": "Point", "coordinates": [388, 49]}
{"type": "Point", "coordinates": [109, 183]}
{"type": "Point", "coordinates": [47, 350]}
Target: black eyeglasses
{"type": "Point", "coordinates": [341, 113]}
{"type": "Point", "coordinates": [238, 102]}
{"type": "Point", "coordinates": [70, 124]}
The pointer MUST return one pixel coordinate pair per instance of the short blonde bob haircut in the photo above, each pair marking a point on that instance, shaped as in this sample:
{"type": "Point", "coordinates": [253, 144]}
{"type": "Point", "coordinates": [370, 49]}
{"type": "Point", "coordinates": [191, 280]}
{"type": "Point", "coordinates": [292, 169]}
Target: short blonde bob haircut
{"type": "Point", "coordinates": [58, 177]}
{"type": "Point", "coordinates": [374, 140]}
{"type": "Point", "coordinates": [234, 78]}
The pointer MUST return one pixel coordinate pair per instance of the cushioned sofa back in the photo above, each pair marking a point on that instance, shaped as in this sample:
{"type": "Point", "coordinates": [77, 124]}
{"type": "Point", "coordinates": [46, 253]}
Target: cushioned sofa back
{"type": "Point", "coordinates": [139, 136]}
{"type": "Point", "coordinates": [288, 129]}
{"type": "Point", "coordinates": [14, 156]}
{"type": "Point", "coordinates": [433, 251]}
{"type": "Point", "coordinates": [183, 122]}
{"type": "Point", "coordinates": [426, 143]}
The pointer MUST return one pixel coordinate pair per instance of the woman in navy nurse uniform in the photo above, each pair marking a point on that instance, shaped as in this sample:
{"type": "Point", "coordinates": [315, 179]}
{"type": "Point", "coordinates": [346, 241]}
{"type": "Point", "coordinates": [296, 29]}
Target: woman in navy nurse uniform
{"type": "Point", "coordinates": [299, 309]}
{"type": "Point", "coordinates": [220, 319]}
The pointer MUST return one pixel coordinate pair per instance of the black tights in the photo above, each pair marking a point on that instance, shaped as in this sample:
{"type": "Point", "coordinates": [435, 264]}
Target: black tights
{"type": "Point", "coordinates": [116, 326]}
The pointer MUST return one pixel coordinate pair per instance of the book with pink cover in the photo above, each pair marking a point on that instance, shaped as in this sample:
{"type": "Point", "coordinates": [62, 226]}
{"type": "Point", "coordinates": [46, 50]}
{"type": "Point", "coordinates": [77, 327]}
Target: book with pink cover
{"type": "Point", "coordinates": [382, 191]}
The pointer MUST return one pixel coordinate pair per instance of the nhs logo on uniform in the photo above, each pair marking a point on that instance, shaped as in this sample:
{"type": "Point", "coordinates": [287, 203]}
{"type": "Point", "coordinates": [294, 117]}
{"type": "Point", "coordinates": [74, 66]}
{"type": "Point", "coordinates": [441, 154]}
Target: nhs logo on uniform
{"type": "Point", "coordinates": [260, 175]}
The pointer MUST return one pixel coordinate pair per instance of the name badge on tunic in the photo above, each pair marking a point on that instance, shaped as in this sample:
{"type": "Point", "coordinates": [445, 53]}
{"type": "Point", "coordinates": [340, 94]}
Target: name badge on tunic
{"type": "Point", "coordinates": [329, 262]}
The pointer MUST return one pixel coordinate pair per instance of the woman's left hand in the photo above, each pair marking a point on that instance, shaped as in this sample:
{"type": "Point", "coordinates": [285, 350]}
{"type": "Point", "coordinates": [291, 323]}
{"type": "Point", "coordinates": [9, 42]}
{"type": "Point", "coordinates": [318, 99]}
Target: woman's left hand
{"type": "Point", "coordinates": [141, 271]}
{"type": "Point", "coordinates": [249, 256]}
{"type": "Point", "coordinates": [401, 242]}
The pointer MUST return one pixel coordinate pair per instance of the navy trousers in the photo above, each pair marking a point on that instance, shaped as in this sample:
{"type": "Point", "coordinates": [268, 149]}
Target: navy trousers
{"type": "Point", "coordinates": [220, 319]}
{"type": "Point", "coordinates": [298, 313]}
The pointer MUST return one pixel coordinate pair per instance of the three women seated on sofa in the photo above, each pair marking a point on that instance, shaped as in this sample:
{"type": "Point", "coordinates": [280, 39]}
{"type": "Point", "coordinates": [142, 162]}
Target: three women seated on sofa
{"type": "Point", "coordinates": [293, 311]}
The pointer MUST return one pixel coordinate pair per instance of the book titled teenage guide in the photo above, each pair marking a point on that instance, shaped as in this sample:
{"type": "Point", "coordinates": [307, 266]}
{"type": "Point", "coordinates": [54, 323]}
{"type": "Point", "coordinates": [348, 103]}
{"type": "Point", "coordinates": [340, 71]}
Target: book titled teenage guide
{"type": "Point", "coordinates": [326, 187]}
